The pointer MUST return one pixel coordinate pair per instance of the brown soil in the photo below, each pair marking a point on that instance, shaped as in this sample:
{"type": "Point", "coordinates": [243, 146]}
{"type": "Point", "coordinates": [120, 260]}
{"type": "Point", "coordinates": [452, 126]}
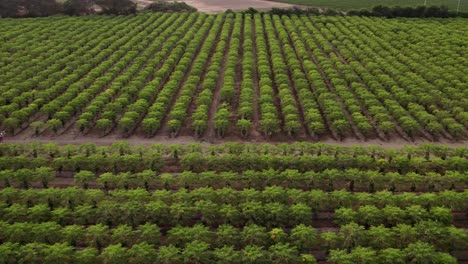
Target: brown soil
{"type": "Point", "coordinates": [216, 6]}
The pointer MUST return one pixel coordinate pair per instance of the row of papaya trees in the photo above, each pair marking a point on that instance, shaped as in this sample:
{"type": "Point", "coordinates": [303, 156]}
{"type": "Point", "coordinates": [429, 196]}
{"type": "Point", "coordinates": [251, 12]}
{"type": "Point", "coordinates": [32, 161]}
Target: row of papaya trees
{"type": "Point", "coordinates": [199, 252]}
{"type": "Point", "coordinates": [327, 180]}
{"type": "Point", "coordinates": [50, 150]}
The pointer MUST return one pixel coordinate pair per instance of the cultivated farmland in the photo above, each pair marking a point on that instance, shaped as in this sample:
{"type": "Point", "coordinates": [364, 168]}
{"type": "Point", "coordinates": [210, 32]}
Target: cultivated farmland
{"type": "Point", "coordinates": [232, 203]}
{"type": "Point", "coordinates": [236, 76]}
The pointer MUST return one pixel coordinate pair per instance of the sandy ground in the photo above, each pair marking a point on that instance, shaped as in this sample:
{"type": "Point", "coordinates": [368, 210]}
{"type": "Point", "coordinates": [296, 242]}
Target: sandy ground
{"type": "Point", "coordinates": [216, 6]}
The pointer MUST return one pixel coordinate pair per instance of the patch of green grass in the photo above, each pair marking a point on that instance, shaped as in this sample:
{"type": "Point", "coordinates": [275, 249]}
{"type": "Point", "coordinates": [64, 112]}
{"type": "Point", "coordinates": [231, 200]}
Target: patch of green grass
{"type": "Point", "coordinates": [368, 4]}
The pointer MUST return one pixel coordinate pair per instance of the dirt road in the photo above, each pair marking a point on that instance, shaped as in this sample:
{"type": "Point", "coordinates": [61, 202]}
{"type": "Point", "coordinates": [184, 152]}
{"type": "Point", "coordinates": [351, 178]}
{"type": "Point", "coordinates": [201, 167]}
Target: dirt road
{"type": "Point", "coordinates": [216, 6]}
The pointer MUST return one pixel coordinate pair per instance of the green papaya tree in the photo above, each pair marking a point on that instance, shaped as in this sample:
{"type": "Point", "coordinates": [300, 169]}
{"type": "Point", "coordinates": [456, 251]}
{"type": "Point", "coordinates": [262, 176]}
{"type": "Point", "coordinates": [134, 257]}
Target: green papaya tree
{"type": "Point", "coordinates": [44, 175]}
{"type": "Point", "coordinates": [142, 253]}
{"type": "Point", "coordinates": [87, 255]}
{"type": "Point", "coordinates": [83, 178]}
{"type": "Point", "coordinates": [114, 254]}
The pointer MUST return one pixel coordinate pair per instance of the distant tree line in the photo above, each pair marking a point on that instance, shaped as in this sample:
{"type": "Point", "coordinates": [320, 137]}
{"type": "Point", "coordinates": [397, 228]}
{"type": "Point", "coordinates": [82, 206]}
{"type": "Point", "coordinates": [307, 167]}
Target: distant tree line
{"type": "Point", "coordinates": [377, 11]}
{"type": "Point", "coordinates": [41, 8]}
{"type": "Point", "coordinates": [398, 11]}
{"type": "Point", "coordinates": [163, 6]}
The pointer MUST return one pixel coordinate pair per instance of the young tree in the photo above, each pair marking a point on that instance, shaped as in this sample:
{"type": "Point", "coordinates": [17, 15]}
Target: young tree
{"type": "Point", "coordinates": [244, 125]}
{"type": "Point", "coordinates": [54, 125]}
{"type": "Point", "coordinates": [352, 235]}
{"type": "Point", "coordinates": [9, 252]}
{"type": "Point", "coordinates": [284, 253]}
{"type": "Point", "coordinates": [45, 175]}
{"type": "Point", "coordinates": [104, 125]}
{"type": "Point", "coordinates": [37, 126]}
{"type": "Point", "coordinates": [340, 256]}
{"type": "Point", "coordinates": [87, 255]}
{"type": "Point", "coordinates": [148, 233]}
{"type": "Point", "coordinates": [114, 254]}
{"type": "Point", "coordinates": [254, 235]}
{"type": "Point", "coordinates": [73, 234]}
{"type": "Point", "coordinates": [253, 254]}
{"type": "Point", "coordinates": [197, 252]}
{"type": "Point", "coordinates": [33, 253]}
{"type": "Point", "coordinates": [391, 256]}
{"type": "Point", "coordinates": [59, 253]}
{"type": "Point", "coordinates": [169, 255]}
{"type": "Point", "coordinates": [150, 126]}
{"type": "Point", "coordinates": [142, 253]}
{"type": "Point", "coordinates": [97, 236]}
{"type": "Point", "coordinates": [39, 213]}
{"type": "Point", "coordinates": [23, 177]}
{"type": "Point", "coordinates": [226, 254]}
{"type": "Point", "coordinates": [380, 237]}
{"type": "Point", "coordinates": [304, 237]}
{"type": "Point", "coordinates": [124, 235]}
{"type": "Point", "coordinates": [83, 178]}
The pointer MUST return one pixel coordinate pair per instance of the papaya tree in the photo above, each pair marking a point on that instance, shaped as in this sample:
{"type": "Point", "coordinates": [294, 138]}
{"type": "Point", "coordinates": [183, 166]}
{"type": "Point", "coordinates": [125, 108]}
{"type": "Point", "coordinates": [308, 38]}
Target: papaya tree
{"type": "Point", "coordinates": [114, 254]}
{"type": "Point", "coordinates": [44, 175]}
{"type": "Point", "coordinates": [142, 253]}
{"type": "Point", "coordinates": [83, 178]}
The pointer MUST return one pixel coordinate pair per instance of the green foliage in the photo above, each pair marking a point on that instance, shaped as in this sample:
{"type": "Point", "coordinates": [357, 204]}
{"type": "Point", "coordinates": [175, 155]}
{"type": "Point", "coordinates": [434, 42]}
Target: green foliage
{"type": "Point", "coordinates": [162, 6]}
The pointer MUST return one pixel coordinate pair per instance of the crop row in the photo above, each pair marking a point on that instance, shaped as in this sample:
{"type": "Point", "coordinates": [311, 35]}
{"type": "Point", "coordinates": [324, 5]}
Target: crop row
{"type": "Point", "coordinates": [51, 150]}
{"type": "Point", "coordinates": [315, 200]}
{"type": "Point", "coordinates": [302, 237]}
{"type": "Point", "coordinates": [198, 162]}
{"type": "Point", "coordinates": [199, 252]}
{"type": "Point", "coordinates": [211, 214]}
{"type": "Point", "coordinates": [329, 179]}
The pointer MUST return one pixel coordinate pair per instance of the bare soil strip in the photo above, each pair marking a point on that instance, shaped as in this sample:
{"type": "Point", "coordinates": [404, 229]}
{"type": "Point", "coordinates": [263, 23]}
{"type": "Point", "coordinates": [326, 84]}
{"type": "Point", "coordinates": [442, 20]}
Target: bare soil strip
{"type": "Point", "coordinates": [216, 6]}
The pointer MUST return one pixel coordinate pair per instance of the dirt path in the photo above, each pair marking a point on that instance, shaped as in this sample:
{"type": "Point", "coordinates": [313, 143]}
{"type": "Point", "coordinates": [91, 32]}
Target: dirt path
{"type": "Point", "coordinates": [215, 6]}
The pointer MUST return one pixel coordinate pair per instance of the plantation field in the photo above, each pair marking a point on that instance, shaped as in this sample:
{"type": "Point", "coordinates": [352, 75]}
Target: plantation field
{"type": "Point", "coordinates": [234, 76]}
{"type": "Point", "coordinates": [232, 203]}
{"type": "Point", "coordinates": [368, 4]}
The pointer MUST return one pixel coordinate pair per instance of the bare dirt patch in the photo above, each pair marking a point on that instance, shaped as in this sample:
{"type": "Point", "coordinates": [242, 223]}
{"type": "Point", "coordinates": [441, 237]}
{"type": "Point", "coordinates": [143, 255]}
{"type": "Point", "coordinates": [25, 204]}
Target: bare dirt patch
{"type": "Point", "coordinates": [216, 6]}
